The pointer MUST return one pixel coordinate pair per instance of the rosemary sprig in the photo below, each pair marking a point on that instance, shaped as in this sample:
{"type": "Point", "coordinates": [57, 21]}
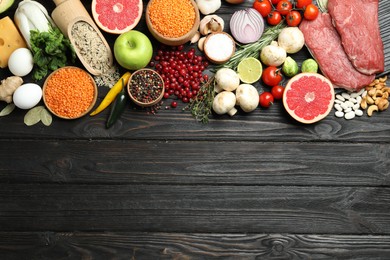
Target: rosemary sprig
{"type": "Point", "coordinates": [201, 105]}
{"type": "Point", "coordinates": [253, 49]}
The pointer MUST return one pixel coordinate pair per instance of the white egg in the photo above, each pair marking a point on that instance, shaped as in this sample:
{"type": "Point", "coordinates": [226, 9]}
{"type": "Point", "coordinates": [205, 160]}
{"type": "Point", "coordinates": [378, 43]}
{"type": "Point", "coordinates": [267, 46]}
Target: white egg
{"type": "Point", "coordinates": [27, 95]}
{"type": "Point", "coordinates": [21, 62]}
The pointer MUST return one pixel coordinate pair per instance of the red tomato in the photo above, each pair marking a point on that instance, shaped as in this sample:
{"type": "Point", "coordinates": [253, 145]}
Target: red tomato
{"type": "Point", "coordinates": [303, 3]}
{"type": "Point", "coordinates": [266, 99]}
{"type": "Point", "coordinates": [293, 18]}
{"type": "Point", "coordinates": [264, 7]}
{"type": "Point", "coordinates": [284, 7]}
{"type": "Point", "coordinates": [277, 91]}
{"type": "Point", "coordinates": [271, 76]}
{"type": "Point", "coordinates": [311, 12]}
{"type": "Point", "coordinates": [274, 18]}
{"type": "Point", "coordinates": [275, 2]}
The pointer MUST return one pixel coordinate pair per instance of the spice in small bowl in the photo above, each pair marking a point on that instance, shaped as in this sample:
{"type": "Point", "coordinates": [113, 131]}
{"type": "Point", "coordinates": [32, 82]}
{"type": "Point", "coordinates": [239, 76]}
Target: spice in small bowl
{"type": "Point", "coordinates": [172, 22]}
{"type": "Point", "coordinates": [69, 92]}
{"type": "Point", "coordinates": [145, 87]}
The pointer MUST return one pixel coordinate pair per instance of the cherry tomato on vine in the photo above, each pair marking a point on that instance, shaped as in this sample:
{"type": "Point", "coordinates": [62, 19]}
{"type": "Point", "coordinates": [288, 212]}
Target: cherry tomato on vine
{"type": "Point", "coordinates": [274, 18]}
{"type": "Point", "coordinates": [264, 7]}
{"type": "Point", "coordinates": [293, 18]}
{"type": "Point", "coordinates": [277, 91]}
{"type": "Point", "coordinates": [303, 3]}
{"type": "Point", "coordinates": [271, 76]}
{"type": "Point", "coordinates": [266, 99]}
{"type": "Point", "coordinates": [275, 2]}
{"type": "Point", "coordinates": [311, 12]}
{"type": "Point", "coordinates": [284, 7]}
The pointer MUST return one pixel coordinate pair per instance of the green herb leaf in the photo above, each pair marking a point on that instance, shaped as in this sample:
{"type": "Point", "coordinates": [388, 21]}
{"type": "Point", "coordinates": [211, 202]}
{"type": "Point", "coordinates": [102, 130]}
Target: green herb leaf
{"type": "Point", "coordinates": [46, 117]}
{"type": "Point", "coordinates": [7, 110]}
{"type": "Point", "coordinates": [33, 116]}
{"type": "Point", "coordinates": [50, 51]}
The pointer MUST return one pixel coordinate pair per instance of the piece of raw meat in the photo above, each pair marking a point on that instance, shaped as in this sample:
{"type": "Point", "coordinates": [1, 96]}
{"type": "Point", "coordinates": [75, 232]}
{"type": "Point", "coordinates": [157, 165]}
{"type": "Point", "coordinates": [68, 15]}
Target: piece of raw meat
{"type": "Point", "coordinates": [324, 43]}
{"type": "Point", "coordinates": [357, 23]}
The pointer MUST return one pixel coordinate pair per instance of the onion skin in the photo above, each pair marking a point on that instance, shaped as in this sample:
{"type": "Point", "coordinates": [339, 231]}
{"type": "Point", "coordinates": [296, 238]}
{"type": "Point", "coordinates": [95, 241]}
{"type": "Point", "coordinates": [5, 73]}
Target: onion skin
{"type": "Point", "coordinates": [247, 25]}
{"type": "Point", "coordinates": [235, 2]}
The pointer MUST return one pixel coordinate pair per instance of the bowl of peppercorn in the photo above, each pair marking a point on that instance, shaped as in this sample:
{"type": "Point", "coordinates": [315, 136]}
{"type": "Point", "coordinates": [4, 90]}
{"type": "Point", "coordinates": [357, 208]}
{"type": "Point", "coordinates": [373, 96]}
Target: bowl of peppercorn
{"type": "Point", "coordinates": [145, 87]}
{"type": "Point", "coordinates": [172, 22]}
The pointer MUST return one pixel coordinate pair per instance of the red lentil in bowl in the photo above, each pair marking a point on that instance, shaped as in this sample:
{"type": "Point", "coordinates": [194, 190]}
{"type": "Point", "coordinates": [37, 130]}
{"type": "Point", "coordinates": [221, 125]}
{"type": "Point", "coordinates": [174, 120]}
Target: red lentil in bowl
{"type": "Point", "coordinates": [69, 92]}
{"type": "Point", "coordinates": [172, 22]}
{"type": "Point", "coordinates": [145, 87]}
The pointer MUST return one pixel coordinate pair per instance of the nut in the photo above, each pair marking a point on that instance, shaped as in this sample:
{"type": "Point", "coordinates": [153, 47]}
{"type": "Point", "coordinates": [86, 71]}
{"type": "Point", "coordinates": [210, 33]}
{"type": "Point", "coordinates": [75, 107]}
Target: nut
{"type": "Point", "coordinates": [363, 103]}
{"type": "Point", "coordinates": [383, 79]}
{"type": "Point", "coordinates": [370, 100]}
{"type": "Point", "coordinates": [383, 104]}
{"type": "Point", "coordinates": [371, 109]}
{"type": "Point", "coordinates": [372, 92]}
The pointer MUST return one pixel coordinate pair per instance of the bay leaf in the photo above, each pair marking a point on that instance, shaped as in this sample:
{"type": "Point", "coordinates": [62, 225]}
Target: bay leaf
{"type": "Point", "coordinates": [7, 110]}
{"type": "Point", "coordinates": [46, 117]}
{"type": "Point", "coordinates": [33, 116]}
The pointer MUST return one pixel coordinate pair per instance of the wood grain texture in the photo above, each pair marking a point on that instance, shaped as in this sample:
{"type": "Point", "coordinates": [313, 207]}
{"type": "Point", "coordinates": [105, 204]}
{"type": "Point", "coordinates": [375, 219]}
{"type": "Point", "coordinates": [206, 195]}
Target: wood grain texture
{"type": "Point", "coordinates": [200, 208]}
{"type": "Point", "coordinates": [193, 163]}
{"type": "Point", "coordinates": [179, 246]}
{"type": "Point", "coordinates": [252, 186]}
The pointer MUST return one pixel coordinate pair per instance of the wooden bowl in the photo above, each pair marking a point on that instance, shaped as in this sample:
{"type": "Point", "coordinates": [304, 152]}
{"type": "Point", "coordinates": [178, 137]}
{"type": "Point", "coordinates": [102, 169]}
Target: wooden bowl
{"type": "Point", "coordinates": [173, 41]}
{"type": "Point", "coordinates": [140, 94]}
{"type": "Point", "coordinates": [69, 88]}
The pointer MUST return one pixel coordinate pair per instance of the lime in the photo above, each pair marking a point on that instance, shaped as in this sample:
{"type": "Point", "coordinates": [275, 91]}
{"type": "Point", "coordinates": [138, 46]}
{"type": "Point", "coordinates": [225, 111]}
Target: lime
{"type": "Point", "coordinates": [249, 70]}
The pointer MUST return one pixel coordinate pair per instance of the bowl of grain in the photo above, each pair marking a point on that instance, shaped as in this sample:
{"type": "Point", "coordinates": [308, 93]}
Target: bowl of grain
{"type": "Point", "coordinates": [69, 92]}
{"type": "Point", "coordinates": [172, 22]}
{"type": "Point", "coordinates": [145, 87]}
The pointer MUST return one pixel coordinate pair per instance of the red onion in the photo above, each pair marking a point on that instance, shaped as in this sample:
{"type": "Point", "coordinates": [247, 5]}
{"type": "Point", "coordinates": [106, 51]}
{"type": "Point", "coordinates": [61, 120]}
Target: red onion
{"type": "Point", "coordinates": [247, 25]}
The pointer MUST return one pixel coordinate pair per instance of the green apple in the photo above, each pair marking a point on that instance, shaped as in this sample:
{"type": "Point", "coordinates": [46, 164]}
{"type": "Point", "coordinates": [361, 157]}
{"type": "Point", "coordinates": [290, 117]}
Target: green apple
{"type": "Point", "coordinates": [133, 50]}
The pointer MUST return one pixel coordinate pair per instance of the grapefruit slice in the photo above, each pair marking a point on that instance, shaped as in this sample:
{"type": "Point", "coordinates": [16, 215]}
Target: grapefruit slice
{"type": "Point", "coordinates": [117, 16]}
{"type": "Point", "coordinates": [308, 97]}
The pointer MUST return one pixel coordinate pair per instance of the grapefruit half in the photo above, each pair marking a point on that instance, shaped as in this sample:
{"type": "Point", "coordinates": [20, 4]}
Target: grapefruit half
{"type": "Point", "coordinates": [308, 97]}
{"type": "Point", "coordinates": [117, 16]}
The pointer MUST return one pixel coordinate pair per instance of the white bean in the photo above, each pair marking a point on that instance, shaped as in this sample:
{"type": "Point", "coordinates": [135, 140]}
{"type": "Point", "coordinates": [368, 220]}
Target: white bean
{"type": "Point", "coordinates": [348, 103]}
{"type": "Point", "coordinates": [338, 107]}
{"type": "Point", "coordinates": [338, 101]}
{"type": "Point", "coordinates": [358, 99]}
{"type": "Point", "coordinates": [349, 115]}
{"type": "Point", "coordinates": [345, 95]}
{"type": "Point", "coordinates": [353, 100]}
{"type": "Point", "coordinates": [361, 92]}
{"type": "Point", "coordinates": [344, 105]}
{"type": "Point", "coordinates": [359, 112]}
{"type": "Point", "coordinates": [340, 97]}
{"type": "Point", "coordinates": [356, 106]}
{"type": "Point", "coordinates": [354, 95]}
{"type": "Point", "coordinates": [339, 114]}
{"type": "Point", "coordinates": [348, 109]}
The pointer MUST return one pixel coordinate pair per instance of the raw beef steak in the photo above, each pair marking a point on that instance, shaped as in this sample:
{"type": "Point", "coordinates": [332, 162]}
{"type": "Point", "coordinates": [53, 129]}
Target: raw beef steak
{"type": "Point", "coordinates": [357, 23]}
{"type": "Point", "coordinates": [324, 43]}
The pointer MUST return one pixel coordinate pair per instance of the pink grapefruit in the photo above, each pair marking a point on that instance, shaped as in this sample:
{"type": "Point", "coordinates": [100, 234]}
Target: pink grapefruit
{"type": "Point", "coordinates": [308, 97]}
{"type": "Point", "coordinates": [117, 16]}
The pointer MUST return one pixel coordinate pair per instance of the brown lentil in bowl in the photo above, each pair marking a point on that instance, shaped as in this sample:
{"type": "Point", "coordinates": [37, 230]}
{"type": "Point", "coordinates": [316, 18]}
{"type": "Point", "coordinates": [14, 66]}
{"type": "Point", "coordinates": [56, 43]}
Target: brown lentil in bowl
{"type": "Point", "coordinates": [145, 87]}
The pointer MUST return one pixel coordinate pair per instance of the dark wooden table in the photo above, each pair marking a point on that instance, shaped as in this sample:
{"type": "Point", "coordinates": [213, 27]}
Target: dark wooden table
{"type": "Point", "coordinates": [255, 186]}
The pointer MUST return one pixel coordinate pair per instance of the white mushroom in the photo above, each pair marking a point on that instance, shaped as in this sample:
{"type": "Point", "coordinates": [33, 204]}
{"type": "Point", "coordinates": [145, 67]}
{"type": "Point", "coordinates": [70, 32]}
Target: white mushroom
{"type": "Point", "coordinates": [247, 97]}
{"type": "Point", "coordinates": [211, 23]}
{"type": "Point", "coordinates": [208, 6]}
{"type": "Point", "coordinates": [226, 79]}
{"type": "Point", "coordinates": [224, 102]}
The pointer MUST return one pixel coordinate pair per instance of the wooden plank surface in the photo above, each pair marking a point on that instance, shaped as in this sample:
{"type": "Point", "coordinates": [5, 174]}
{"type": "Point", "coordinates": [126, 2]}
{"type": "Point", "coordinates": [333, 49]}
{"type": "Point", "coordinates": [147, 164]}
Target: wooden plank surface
{"type": "Point", "coordinates": [141, 246]}
{"type": "Point", "coordinates": [255, 186]}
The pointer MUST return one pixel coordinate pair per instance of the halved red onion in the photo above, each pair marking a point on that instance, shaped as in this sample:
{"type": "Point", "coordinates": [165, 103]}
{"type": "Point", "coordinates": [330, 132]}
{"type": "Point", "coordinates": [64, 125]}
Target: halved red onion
{"type": "Point", "coordinates": [246, 25]}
